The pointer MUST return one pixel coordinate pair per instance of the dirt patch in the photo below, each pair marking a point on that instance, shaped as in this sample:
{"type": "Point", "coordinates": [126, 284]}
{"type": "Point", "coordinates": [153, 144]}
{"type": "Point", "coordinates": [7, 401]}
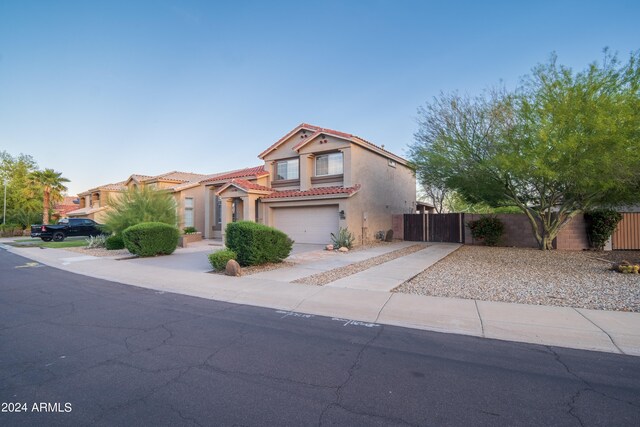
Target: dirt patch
{"type": "Point", "coordinates": [616, 256]}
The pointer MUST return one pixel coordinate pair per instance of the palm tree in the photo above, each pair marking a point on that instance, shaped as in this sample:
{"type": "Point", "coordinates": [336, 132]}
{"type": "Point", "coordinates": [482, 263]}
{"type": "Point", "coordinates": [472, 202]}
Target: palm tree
{"type": "Point", "coordinates": [52, 185]}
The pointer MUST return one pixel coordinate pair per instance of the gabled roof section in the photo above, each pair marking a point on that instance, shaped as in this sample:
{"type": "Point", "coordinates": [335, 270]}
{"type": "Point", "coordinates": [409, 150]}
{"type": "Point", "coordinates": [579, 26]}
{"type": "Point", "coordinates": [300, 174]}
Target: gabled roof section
{"type": "Point", "coordinates": [314, 192]}
{"type": "Point", "coordinates": [85, 211]}
{"type": "Point", "coordinates": [247, 186]}
{"type": "Point", "coordinates": [118, 186]}
{"type": "Point", "coordinates": [317, 131]}
{"type": "Point", "coordinates": [256, 171]}
{"type": "Point", "coordinates": [179, 176]}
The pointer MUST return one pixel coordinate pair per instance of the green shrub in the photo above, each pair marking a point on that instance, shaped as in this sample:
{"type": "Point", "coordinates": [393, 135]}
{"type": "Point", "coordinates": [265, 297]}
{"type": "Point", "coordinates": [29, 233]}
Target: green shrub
{"type": "Point", "coordinates": [257, 244]}
{"type": "Point", "coordinates": [151, 238]}
{"type": "Point", "coordinates": [10, 230]}
{"type": "Point", "coordinates": [218, 260]}
{"type": "Point", "coordinates": [114, 242]}
{"type": "Point", "coordinates": [189, 230]}
{"type": "Point", "coordinates": [344, 239]}
{"type": "Point", "coordinates": [488, 228]}
{"type": "Point", "coordinates": [140, 205]}
{"type": "Point", "coordinates": [600, 226]}
{"type": "Point", "coordinates": [98, 241]}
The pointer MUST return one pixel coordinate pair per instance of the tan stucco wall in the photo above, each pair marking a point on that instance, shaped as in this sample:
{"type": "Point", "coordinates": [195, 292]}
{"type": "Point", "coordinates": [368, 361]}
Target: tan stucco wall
{"type": "Point", "coordinates": [285, 150]}
{"type": "Point", "coordinates": [385, 191]}
{"type": "Point", "coordinates": [198, 194]}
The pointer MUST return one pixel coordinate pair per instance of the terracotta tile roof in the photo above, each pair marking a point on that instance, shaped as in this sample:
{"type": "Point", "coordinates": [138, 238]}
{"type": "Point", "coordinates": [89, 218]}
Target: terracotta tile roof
{"type": "Point", "coordinates": [179, 176]}
{"type": "Point", "coordinates": [317, 130]}
{"type": "Point", "coordinates": [239, 173]}
{"type": "Point", "coordinates": [139, 177]}
{"type": "Point", "coordinates": [67, 205]}
{"type": "Point", "coordinates": [248, 185]}
{"type": "Point", "coordinates": [113, 187]}
{"type": "Point", "coordinates": [85, 211]}
{"type": "Point", "coordinates": [320, 191]}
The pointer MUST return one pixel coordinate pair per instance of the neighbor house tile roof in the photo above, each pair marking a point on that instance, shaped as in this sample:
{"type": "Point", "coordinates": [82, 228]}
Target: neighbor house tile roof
{"type": "Point", "coordinates": [113, 187]}
{"type": "Point", "coordinates": [139, 177]}
{"type": "Point", "coordinates": [179, 176]}
{"type": "Point", "coordinates": [256, 171]}
{"type": "Point", "coordinates": [70, 203]}
{"type": "Point", "coordinates": [313, 192]}
{"type": "Point", "coordinates": [317, 130]}
{"type": "Point", "coordinates": [85, 211]}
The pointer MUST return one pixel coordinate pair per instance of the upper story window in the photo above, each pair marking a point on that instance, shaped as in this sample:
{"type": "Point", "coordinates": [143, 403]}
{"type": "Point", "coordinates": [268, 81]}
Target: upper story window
{"type": "Point", "coordinates": [329, 164]}
{"type": "Point", "coordinates": [287, 169]}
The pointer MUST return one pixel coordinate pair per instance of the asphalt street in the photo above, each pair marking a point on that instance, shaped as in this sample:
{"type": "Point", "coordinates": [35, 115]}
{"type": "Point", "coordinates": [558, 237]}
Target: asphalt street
{"type": "Point", "coordinates": [81, 351]}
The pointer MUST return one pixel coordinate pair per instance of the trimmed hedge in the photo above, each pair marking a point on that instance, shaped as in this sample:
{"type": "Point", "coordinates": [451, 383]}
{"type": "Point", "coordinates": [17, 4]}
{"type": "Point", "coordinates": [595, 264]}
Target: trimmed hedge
{"type": "Point", "coordinates": [487, 228]}
{"type": "Point", "coordinates": [257, 244]}
{"type": "Point", "coordinates": [151, 238]}
{"type": "Point", "coordinates": [114, 242]}
{"type": "Point", "coordinates": [600, 226]}
{"type": "Point", "coordinates": [219, 259]}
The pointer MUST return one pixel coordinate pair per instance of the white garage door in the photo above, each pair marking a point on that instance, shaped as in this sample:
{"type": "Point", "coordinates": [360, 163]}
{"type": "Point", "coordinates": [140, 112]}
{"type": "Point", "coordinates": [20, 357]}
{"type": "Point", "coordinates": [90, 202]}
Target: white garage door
{"type": "Point", "coordinates": [309, 224]}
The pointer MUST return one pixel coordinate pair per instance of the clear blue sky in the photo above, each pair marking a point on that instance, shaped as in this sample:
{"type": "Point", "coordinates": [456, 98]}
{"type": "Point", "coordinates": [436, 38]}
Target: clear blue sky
{"type": "Point", "coordinates": [102, 89]}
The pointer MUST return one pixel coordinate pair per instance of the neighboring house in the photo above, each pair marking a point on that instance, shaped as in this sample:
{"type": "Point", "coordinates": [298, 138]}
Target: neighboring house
{"type": "Point", "coordinates": [185, 187]}
{"type": "Point", "coordinates": [313, 182]}
{"type": "Point", "coordinates": [62, 208]}
{"type": "Point", "coordinates": [93, 203]}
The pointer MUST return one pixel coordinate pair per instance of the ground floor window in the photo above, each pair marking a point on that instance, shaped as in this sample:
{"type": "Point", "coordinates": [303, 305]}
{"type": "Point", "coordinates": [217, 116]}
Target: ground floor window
{"type": "Point", "coordinates": [188, 212]}
{"type": "Point", "coordinates": [218, 210]}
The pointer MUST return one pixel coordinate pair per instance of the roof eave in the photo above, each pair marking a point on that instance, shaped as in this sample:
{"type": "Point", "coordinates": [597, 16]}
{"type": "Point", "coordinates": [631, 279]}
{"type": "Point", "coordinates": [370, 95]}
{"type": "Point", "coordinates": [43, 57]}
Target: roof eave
{"type": "Point", "coordinates": [309, 198]}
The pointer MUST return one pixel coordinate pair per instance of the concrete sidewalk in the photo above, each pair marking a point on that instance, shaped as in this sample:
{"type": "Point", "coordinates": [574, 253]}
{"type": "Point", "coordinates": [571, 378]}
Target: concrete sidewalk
{"type": "Point", "coordinates": [615, 332]}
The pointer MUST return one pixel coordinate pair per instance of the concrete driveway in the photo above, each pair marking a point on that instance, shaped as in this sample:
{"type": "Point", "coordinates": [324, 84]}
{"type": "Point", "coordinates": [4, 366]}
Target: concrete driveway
{"type": "Point", "coordinates": [194, 257]}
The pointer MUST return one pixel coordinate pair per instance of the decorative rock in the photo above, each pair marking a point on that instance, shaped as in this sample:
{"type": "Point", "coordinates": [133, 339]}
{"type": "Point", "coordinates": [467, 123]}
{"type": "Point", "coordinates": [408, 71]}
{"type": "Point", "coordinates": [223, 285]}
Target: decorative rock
{"type": "Point", "coordinates": [233, 268]}
{"type": "Point", "coordinates": [343, 249]}
{"type": "Point", "coordinates": [329, 247]}
{"type": "Point", "coordinates": [389, 236]}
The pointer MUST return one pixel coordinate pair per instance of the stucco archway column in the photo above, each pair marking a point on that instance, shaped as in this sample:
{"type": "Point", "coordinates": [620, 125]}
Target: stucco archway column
{"type": "Point", "coordinates": [248, 210]}
{"type": "Point", "coordinates": [227, 214]}
{"type": "Point", "coordinates": [208, 213]}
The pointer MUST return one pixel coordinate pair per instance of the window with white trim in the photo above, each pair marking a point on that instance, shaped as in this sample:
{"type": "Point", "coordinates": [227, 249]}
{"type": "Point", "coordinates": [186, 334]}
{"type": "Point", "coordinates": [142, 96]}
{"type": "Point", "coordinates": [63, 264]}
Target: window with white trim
{"type": "Point", "coordinates": [188, 212]}
{"type": "Point", "coordinates": [329, 164]}
{"type": "Point", "coordinates": [287, 169]}
{"type": "Point", "coordinates": [218, 210]}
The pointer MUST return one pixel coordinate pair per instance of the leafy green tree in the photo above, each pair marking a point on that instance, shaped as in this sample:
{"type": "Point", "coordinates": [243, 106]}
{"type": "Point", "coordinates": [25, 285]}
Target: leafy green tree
{"type": "Point", "coordinates": [140, 205]}
{"type": "Point", "coordinates": [23, 199]}
{"type": "Point", "coordinates": [563, 142]}
{"type": "Point", "coordinates": [434, 190]}
{"type": "Point", "coordinates": [52, 185]}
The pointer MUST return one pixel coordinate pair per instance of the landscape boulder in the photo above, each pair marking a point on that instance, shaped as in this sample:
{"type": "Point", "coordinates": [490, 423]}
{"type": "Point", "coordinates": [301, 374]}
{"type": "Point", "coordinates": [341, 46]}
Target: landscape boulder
{"type": "Point", "coordinates": [233, 268]}
{"type": "Point", "coordinates": [343, 249]}
{"type": "Point", "coordinates": [329, 247]}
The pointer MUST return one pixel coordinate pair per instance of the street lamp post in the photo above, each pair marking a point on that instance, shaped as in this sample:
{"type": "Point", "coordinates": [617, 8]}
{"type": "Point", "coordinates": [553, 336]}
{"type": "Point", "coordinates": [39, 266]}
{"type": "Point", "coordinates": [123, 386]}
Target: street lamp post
{"type": "Point", "coordinates": [4, 210]}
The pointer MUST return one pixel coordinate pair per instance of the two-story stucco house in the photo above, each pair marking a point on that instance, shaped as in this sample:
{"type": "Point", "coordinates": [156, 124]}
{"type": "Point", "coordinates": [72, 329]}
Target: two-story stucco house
{"type": "Point", "coordinates": [94, 203]}
{"type": "Point", "coordinates": [313, 182]}
{"type": "Point", "coordinates": [185, 187]}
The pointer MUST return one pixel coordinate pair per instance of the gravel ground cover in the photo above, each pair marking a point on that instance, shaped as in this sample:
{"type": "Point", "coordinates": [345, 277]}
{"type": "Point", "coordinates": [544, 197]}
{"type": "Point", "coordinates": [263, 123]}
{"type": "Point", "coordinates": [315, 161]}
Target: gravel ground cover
{"type": "Point", "coordinates": [253, 269]}
{"type": "Point", "coordinates": [530, 276]}
{"type": "Point", "coordinates": [101, 252]}
{"type": "Point", "coordinates": [321, 279]}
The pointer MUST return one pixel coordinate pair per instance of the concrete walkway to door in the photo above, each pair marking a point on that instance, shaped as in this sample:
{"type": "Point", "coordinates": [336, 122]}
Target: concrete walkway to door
{"type": "Point", "coordinates": [384, 277]}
